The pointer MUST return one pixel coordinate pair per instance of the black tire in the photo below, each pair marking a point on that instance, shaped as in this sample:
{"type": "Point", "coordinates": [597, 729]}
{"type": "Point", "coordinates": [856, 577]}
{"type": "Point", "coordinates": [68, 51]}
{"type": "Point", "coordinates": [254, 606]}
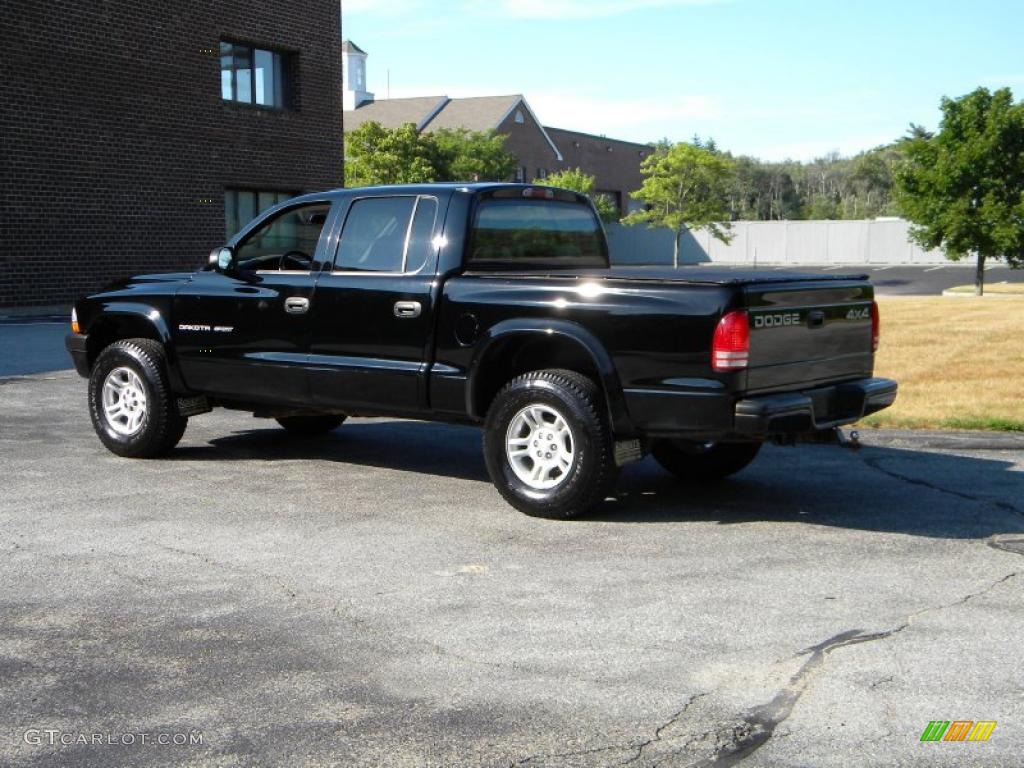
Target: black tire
{"type": "Point", "coordinates": [161, 426]}
{"type": "Point", "coordinates": [310, 426]}
{"type": "Point", "coordinates": [590, 475]}
{"type": "Point", "coordinates": [703, 462]}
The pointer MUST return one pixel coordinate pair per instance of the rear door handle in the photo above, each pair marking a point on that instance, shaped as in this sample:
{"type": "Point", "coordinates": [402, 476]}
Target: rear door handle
{"type": "Point", "coordinates": [407, 309]}
{"type": "Point", "coordinates": [296, 305]}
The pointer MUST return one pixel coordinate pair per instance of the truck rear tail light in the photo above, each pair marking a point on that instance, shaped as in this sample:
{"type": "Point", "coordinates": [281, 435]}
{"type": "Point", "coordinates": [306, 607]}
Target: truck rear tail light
{"type": "Point", "coordinates": [875, 326]}
{"type": "Point", "coordinates": [75, 328]}
{"type": "Point", "coordinates": [730, 348]}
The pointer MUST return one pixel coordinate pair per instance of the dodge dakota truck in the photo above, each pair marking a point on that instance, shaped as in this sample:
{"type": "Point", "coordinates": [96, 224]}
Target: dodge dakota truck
{"type": "Point", "coordinates": [489, 304]}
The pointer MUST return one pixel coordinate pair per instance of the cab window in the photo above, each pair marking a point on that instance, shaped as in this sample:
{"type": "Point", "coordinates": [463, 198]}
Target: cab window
{"type": "Point", "coordinates": [375, 234]}
{"type": "Point", "coordinates": [285, 241]}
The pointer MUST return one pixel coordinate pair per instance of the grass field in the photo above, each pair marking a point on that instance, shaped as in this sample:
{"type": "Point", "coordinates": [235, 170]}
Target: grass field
{"type": "Point", "coordinates": [959, 362]}
{"type": "Point", "coordinates": [995, 289]}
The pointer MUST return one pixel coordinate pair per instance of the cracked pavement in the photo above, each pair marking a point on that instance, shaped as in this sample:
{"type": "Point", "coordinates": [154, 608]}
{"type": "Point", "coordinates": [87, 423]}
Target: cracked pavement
{"type": "Point", "coordinates": [368, 599]}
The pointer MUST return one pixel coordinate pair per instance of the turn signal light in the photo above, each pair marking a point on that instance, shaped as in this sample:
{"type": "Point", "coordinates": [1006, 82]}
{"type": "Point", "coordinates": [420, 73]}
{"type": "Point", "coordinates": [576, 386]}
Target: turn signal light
{"type": "Point", "coordinates": [876, 326]}
{"type": "Point", "coordinates": [74, 322]}
{"type": "Point", "coordinates": [730, 348]}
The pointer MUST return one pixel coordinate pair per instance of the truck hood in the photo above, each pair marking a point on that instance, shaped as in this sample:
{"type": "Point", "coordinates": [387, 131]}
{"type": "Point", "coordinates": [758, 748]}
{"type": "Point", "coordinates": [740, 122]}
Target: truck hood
{"type": "Point", "coordinates": [139, 280]}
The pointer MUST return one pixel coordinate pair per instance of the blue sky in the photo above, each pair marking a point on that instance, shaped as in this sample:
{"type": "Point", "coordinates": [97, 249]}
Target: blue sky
{"type": "Point", "coordinates": [770, 78]}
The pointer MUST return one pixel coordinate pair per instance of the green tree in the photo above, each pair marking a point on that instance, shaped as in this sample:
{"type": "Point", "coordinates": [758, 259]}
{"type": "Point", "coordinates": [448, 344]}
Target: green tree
{"type": "Point", "coordinates": [686, 187]}
{"type": "Point", "coordinates": [578, 181]}
{"type": "Point", "coordinates": [464, 155]}
{"type": "Point", "coordinates": [378, 155]}
{"type": "Point", "coordinates": [963, 188]}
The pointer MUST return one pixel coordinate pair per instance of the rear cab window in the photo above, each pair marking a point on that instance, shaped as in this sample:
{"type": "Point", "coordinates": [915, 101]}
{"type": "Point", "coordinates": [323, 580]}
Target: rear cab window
{"type": "Point", "coordinates": [535, 228]}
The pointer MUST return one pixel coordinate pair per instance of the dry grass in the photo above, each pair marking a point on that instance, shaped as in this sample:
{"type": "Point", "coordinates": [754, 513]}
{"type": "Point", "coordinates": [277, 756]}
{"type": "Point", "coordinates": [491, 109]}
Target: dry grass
{"type": "Point", "coordinates": [998, 289]}
{"type": "Point", "coordinates": [959, 362]}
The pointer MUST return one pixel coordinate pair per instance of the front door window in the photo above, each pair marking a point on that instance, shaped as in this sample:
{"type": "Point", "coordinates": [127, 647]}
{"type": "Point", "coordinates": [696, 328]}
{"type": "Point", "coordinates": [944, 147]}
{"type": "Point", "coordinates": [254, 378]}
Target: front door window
{"type": "Point", "coordinates": [286, 241]}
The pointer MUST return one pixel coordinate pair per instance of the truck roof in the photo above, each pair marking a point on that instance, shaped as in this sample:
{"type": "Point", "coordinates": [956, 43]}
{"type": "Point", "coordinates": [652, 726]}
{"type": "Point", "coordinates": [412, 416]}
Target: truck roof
{"type": "Point", "coordinates": [420, 189]}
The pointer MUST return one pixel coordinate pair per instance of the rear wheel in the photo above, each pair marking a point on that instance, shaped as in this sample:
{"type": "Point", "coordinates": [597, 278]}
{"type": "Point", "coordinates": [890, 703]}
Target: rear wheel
{"type": "Point", "coordinates": [548, 446]}
{"type": "Point", "coordinates": [131, 404]}
{"type": "Point", "coordinates": [703, 462]}
{"type": "Point", "coordinates": [309, 426]}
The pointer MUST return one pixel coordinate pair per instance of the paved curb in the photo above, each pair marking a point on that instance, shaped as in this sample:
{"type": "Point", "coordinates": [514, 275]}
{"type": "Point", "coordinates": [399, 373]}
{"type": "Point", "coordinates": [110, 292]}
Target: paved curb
{"type": "Point", "coordinates": [946, 439]}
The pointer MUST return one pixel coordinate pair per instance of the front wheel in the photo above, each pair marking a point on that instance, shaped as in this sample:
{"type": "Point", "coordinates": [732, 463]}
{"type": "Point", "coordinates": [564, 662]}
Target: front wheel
{"type": "Point", "coordinates": [132, 406]}
{"type": "Point", "coordinates": [703, 462]}
{"type": "Point", "coordinates": [548, 445]}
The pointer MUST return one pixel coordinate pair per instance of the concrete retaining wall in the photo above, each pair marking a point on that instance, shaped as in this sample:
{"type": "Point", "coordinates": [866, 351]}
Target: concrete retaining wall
{"type": "Point", "coordinates": [777, 242]}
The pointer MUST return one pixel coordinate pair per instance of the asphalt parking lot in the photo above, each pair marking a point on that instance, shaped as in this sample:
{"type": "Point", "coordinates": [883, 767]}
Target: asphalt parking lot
{"type": "Point", "coordinates": [368, 599]}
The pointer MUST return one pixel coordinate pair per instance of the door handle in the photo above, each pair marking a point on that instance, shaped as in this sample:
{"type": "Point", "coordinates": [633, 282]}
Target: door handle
{"type": "Point", "coordinates": [407, 309]}
{"type": "Point", "coordinates": [296, 305]}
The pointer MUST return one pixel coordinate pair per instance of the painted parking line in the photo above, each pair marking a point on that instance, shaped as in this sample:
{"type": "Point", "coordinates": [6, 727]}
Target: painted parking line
{"type": "Point", "coordinates": [933, 269]}
{"type": "Point", "coordinates": [830, 269]}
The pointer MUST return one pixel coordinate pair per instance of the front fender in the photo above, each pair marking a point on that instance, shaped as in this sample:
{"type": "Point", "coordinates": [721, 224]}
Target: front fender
{"type": "Point", "coordinates": [564, 330]}
{"type": "Point", "coordinates": [118, 319]}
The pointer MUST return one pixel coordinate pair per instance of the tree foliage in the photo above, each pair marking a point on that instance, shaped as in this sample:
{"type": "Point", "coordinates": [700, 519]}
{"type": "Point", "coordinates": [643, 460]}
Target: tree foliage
{"type": "Point", "coordinates": [378, 155]}
{"type": "Point", "coordinates": [686, 186]}
{"type": "Point", "coordinates": [828, 187]}
{"type": "Point", "coordinates": [963, 187]}
{"type": "Point", "coordinates": [578, 181]}
{"type": "Point", "coordinates": [464, 155]}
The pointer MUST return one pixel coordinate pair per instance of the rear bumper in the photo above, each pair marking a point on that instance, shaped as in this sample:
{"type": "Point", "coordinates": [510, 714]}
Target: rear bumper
{"type": "Point", "coordinates": [76, 345]}
{"type": "Point", "coordinates": [813, 409]}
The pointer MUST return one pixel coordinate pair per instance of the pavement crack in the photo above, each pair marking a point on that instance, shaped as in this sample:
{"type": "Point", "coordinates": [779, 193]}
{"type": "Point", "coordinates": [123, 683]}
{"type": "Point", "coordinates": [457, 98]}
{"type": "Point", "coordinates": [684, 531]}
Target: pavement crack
{"type": "Point", "coordinates": [882, 681]}
{"type": "Point", "coordinates": [758, 726]}
{"type": "Point", "coordinates": [637, 748]}
{"type": "Point", "coordinates": [1007, 544]}
{"type": "Point", "coordinates": [662, 728]}
{"type": "Point", "coordinates": [1005, 506]}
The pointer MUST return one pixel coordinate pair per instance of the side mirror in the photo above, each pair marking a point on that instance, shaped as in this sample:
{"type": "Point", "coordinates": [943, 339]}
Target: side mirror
{"type": "Point", "coordinates": [222, 259]}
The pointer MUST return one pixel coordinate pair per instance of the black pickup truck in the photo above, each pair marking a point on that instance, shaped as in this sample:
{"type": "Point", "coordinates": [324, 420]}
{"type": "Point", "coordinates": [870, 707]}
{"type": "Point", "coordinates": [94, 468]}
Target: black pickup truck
{"type": "Point", "coordinates": [491, 304]}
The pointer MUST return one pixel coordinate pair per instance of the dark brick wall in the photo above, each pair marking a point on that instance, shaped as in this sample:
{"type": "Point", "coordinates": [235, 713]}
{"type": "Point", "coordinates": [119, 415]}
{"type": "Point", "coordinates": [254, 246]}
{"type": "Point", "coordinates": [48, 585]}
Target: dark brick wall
{"type": "Point", "coordinates": [614, 164]}
{"type": "Point", "coordinates": [526, 141]}
{"type": "Point", "coordinates": [115, 144]}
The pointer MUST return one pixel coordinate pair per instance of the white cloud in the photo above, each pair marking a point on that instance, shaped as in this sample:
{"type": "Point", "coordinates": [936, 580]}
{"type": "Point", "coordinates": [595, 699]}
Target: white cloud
{"type": "Point", "coordinates": [625, 118]}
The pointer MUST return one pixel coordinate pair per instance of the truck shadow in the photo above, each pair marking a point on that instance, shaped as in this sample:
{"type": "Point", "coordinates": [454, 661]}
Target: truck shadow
{"type": "Point", "coordinates": [921, 493]}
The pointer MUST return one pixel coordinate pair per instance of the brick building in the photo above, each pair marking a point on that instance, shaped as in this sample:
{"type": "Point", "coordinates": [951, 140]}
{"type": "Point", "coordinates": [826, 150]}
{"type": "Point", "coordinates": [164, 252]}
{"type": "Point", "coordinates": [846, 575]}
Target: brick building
{"type": "Point", "coordinates": [539, 150]}
{"type": "Point", "coordinates": [137, 136]}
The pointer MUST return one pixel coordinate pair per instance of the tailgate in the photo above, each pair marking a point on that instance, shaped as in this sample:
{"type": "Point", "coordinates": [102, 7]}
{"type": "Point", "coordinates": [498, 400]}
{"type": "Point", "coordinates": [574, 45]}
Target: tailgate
{"type": "Point", "coordinates": [808, 332]}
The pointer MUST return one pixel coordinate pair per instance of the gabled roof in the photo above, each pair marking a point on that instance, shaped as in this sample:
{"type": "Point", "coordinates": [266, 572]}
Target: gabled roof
{"type": "Point", "coordinates": [347, 46]}
{"type": "Point", "coordinates": [392, 113]}
{"type": "Point", "coordinates": [478, 113]}
{"type": "Point", "coordinates": [433, 113]}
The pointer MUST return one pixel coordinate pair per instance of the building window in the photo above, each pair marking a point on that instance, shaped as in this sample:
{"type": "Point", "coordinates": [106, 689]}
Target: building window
{"type": "Point", "coordinates": [253, 75]}
{"type": "Point", "coordinates": [243, 205]}
{"type": "Point", "coordinates": [519, 117]}
{"type": "Point", "coordinates": [542, 173]}
{"type": "Point", "coordinates": [521, 172]}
